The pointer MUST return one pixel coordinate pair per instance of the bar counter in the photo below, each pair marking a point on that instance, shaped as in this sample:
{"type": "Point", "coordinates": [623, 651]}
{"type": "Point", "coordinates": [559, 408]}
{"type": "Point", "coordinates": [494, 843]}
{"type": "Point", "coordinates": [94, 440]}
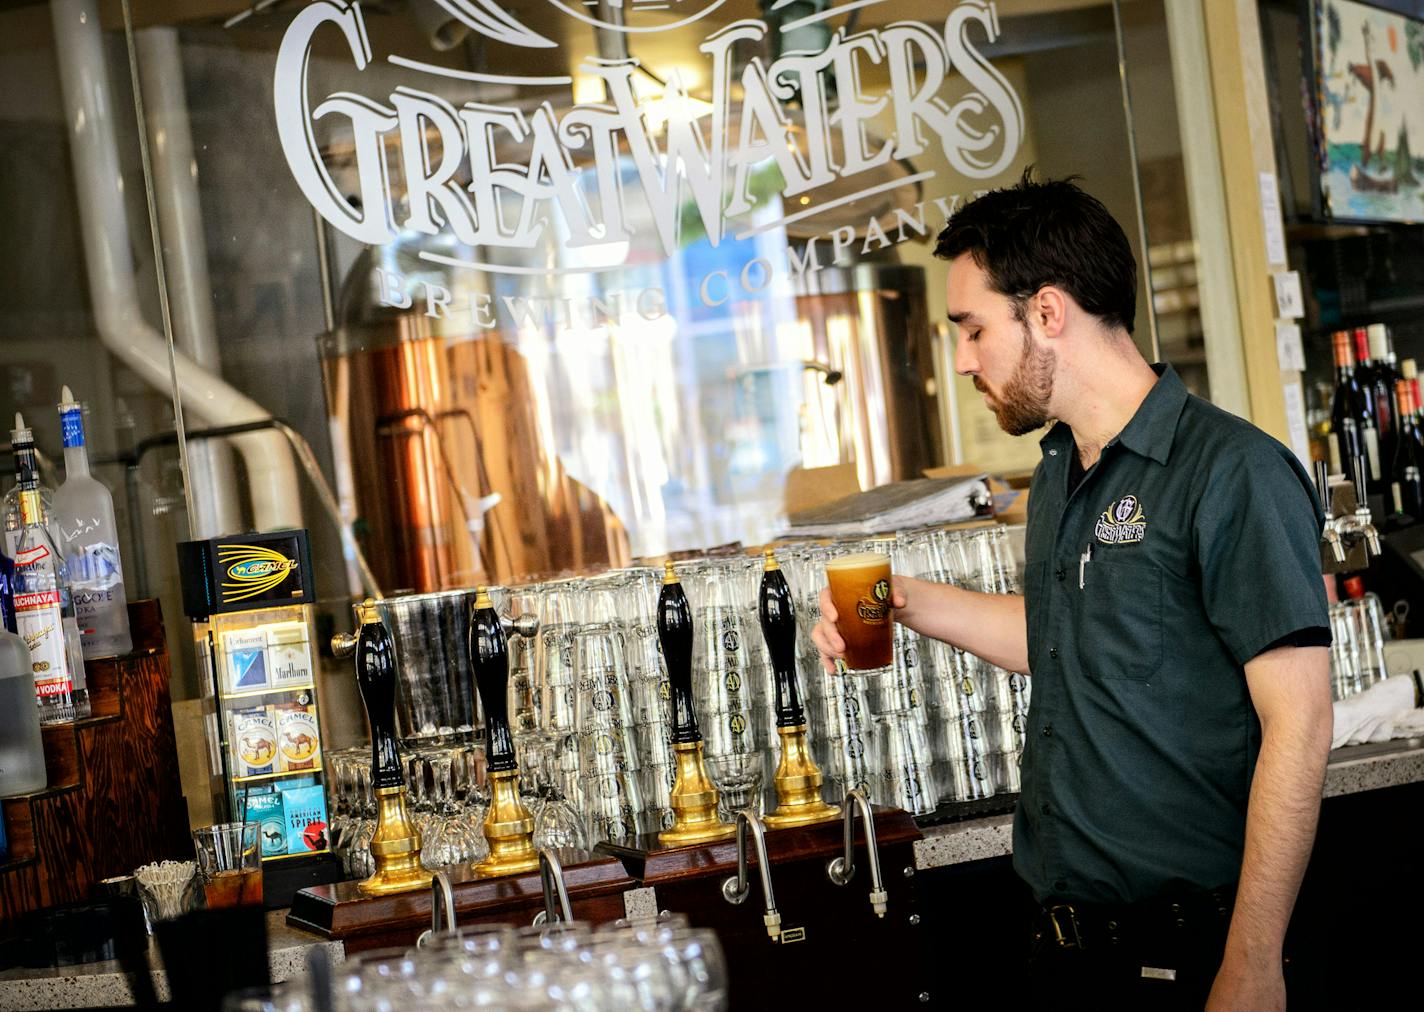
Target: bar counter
{"type": "Point", "coordinates": [966, 873]}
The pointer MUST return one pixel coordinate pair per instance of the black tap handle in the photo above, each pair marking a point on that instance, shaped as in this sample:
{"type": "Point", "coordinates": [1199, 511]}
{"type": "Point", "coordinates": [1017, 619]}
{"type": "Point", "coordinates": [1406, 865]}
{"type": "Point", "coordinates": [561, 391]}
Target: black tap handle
{"type": "Point", "coordinates": [376, 679]}
{"type": "Point", "coordinates": [778, 627]}
{"type": "Point", "coordinates": [489, 652]}
{"type": "Point", "coordinates": [675, 635]}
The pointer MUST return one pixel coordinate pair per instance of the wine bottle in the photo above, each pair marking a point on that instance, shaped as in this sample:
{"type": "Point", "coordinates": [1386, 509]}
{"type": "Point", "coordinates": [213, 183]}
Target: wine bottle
{"type": "Point", "coordinates": [1407, 469]}
{"type": "Point", "coordinates": [1368, 418]}
{"type": "Point", "coordinates": [1346, 408]}
{"type": "Point", "coordinates": [84, 513]}
{"type": "Point", "coordinates": [1383, 375]}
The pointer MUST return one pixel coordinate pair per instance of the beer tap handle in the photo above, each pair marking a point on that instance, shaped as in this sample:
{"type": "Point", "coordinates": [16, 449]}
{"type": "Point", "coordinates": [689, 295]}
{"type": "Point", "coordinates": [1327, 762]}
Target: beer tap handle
{"type": "Point", "coordinates": [376, 679]}
{"type": "Point", "coordinates": [675, 635]}
{"type": "Point", "coordinates": [489, 653]}
{"type": "Point", "coordinates": [778, 628]}
{"type": "Point", "coordinates": [1322, 486]}
{"type": "Point", "coordinates": [1358, 467]}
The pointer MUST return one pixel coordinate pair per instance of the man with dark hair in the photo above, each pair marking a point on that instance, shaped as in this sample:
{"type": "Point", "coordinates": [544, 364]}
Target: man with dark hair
{"type": "Point", "coordinates": [1173, 620]}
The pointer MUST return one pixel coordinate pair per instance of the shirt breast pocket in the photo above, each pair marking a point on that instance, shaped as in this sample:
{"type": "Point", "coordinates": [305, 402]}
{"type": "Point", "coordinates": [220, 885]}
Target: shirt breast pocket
{"type": "Point", "coordinates": [1121, 623]}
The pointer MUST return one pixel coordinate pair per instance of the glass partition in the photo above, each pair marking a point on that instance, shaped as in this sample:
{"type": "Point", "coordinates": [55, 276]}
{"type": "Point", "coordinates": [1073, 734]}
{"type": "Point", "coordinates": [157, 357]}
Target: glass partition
{"type": "Point", "coordinates": [479, 292]}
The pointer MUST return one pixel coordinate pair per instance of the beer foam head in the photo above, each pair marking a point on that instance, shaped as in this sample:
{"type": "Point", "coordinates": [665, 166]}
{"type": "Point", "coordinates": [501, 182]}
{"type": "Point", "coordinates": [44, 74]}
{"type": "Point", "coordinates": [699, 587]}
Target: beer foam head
{"type": "Point", "coordinates": [859, 560]}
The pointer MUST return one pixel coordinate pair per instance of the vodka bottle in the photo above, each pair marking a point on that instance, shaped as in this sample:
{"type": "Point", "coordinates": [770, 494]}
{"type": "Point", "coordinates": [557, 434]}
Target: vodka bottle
{"type": "Point", "coordinates": [89, 539]}
{"type": "Point", "coordinates": [11, 504]}
{"type": "Point", "coordinates": [44, 613]}
{"type": "Point", "coordinates": [22, 765]}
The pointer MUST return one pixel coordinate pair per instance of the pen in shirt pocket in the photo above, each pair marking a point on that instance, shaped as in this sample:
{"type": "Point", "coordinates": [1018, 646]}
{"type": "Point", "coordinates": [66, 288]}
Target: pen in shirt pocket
{"type": "Point", "coordinates": [1083, 561]}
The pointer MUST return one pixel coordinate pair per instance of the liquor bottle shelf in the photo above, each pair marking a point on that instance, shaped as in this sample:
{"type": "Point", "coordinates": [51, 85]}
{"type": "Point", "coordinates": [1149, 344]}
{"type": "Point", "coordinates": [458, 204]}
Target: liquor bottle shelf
{"type": "Point", "coordinates": [113, 799]}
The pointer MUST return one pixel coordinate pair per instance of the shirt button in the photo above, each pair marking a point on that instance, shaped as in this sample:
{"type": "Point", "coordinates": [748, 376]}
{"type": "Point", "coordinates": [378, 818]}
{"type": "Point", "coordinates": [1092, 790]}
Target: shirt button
{"type": "Point", "coordinates": [1053, 453]}
{"type": "Point", "coordinates": [1059, 575]}
{"type": "Point", "coordinates": [1060, 885]}
{"type": "Point", "coordinates": [1048, 730]}
{"type": "Point", "coordinates": [1053, 652]}
{"type": "Point", "coordinates": [1045, 808]}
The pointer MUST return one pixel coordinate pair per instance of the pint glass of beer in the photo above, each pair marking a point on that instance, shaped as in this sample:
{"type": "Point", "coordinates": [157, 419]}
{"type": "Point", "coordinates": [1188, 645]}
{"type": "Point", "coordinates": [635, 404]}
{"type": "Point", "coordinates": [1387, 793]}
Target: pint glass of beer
{"type": "Point", "coordinates": [860, 590]}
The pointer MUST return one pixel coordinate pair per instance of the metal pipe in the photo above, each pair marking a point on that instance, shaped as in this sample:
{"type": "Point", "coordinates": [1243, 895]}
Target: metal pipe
{"type": "Point", "coordinates": [79, 49]}
{"type": "Point", "coordinates": [841, 870]}
{"type": "Point", "coordinates": [736, 888]}
{"type": "Point", "coordinates": [212, 473]}
{"type": "Point", "coordinates": [551, 880]}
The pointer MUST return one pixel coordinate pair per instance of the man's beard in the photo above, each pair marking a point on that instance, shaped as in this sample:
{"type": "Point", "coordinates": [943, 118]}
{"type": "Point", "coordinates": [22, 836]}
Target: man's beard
{"type": "Point", "coordinates": [1022, 407]}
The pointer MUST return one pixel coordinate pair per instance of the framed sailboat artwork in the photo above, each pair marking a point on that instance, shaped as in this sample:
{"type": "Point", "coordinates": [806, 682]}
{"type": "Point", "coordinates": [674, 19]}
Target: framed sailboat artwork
{"type": "Point", "coordinates": [1369, 112]}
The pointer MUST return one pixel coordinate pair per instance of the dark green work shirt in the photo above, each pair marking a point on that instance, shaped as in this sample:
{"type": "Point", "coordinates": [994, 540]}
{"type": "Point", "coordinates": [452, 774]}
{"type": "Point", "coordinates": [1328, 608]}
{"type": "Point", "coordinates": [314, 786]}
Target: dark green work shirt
{"type": "Point", "coordinates": [1187, 549]}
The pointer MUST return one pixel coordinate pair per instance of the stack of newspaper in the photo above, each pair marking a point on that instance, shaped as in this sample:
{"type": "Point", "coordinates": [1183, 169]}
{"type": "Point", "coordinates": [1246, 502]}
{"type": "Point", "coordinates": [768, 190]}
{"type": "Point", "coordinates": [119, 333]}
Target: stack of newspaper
{"type": "Point", "coordinates": [904, 505]}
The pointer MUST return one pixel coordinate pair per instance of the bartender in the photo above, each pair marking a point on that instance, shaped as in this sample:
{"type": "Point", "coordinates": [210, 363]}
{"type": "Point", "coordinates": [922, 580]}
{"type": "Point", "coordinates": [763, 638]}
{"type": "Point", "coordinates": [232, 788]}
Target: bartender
{"type": "Point", "coordinates": [1173, 620]}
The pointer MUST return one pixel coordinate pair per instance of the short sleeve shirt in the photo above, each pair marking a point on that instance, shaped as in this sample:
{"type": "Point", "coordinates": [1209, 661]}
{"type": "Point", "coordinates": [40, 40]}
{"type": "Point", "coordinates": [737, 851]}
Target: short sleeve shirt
{"type": "Point", "coordinates": [1191, 546]}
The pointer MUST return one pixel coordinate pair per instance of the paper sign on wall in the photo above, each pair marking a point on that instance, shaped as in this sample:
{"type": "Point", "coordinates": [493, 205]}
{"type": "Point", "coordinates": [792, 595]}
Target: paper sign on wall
{"type": "Point", "coordinates": [1271, 220]}
{"type": "Point", "coordinates": [1295, 423]}
{"type": "Point", "coordinates": [1290, 303]}
{"type": "Point", "coordinates": [1289, 349]}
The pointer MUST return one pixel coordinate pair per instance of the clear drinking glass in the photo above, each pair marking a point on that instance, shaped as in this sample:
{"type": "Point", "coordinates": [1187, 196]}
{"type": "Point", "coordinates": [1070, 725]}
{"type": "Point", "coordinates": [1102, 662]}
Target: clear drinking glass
{"type": "Point", "coordinates": [229, 863]}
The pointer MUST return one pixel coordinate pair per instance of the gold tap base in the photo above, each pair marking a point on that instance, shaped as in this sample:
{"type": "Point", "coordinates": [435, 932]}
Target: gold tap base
{"type": "Point", "coordinates": [509, 829]}
{"type": "Point", "coordinates": [694, 802]}
{"type": "Point", "coordinates": [395, 847]}
{"type": "Point", "coordinates": [798, 785]}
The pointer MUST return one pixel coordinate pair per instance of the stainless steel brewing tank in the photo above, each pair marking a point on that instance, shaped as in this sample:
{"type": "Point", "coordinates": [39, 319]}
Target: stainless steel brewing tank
{"type": "Point", "coordinates": [871, 323]}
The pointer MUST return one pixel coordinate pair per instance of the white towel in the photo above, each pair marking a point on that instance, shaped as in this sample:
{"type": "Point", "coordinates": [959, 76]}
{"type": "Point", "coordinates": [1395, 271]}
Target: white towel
{"type": "Point", "coordinates": [1383, 711]}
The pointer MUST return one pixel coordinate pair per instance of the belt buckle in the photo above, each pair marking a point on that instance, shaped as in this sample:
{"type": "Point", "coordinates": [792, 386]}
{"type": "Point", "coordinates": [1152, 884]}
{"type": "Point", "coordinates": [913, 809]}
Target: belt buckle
{"type": "Point", "coordinates": [1070, 938]}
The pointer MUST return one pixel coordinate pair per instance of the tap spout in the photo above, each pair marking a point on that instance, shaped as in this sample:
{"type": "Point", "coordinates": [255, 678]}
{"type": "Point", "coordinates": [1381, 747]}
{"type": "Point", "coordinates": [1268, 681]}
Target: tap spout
{"type": "Point", "coordinates": [442, 909]}
{"type": "Point", "coordinates": [551, 879]}
{"type": "Point", "coordinates": [736, 889]}
{"type": "Point", "coordinates": [841, 870]}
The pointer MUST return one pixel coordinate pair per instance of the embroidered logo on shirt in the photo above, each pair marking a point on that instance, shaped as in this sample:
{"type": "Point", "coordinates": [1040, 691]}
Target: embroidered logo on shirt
{"type": "Point", "coordinates": [1122, 523]}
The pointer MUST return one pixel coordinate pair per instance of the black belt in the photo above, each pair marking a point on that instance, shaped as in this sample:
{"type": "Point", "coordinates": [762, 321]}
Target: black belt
{"type": "Point", "coordinates": [1082, 926]}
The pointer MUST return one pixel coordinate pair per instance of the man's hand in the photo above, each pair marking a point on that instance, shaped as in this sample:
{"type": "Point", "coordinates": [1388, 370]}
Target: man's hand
{"type": "Point", "coordinates": [1241, 988]}
{"type": "Point", "coordinates": [827, 637]}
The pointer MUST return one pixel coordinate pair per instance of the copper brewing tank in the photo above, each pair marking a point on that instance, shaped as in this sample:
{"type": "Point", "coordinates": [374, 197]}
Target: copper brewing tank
{"type": "Point", "coordinates": [426, 426]}
{"type": "Point", "coordinates": [870, 323]}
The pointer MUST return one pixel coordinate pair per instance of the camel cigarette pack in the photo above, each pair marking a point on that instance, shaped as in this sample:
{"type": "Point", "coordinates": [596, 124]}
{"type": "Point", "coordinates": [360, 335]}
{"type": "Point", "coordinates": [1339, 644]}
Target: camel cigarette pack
{"type": "Point", "coordinates": [298, 739]}
{"type": "Point", "coordinates": [268, 811]}
{"type": "Point", "coordinates": [254, 742]}
{"type": "Point", "coordinates": [305, 812]}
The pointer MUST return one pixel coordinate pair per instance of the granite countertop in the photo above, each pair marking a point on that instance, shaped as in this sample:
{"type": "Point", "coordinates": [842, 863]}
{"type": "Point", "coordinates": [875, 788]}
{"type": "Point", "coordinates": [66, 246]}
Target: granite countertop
{"type": "Point", "coordinates": [1352, 769]}
{"type": "Point", "coordinates": [104, 984]}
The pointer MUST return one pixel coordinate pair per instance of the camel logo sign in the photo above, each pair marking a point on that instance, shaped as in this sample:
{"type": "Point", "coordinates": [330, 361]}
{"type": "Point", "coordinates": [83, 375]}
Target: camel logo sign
{"type": "Point", "coordinates": [596, 172]}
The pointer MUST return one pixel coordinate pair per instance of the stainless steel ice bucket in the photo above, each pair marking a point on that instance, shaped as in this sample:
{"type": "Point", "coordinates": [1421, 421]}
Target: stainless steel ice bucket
{"type": "Point", "coordinates": [436, 700]}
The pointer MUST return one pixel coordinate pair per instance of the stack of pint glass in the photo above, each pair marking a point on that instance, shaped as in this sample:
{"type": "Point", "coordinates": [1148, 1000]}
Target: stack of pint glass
{"type": "Point", "coordinates": [902, 758]}
{"type": "Point", "coordinates": [610, 779]}
{"type": "Point", "coordinates": [991, 569]}
{"type": "Point", "coordinates": [837, 711]}
{"type": "Point", "coordinates": [637, 591]}
{"type": "Point", "coordinates": [722, 673]}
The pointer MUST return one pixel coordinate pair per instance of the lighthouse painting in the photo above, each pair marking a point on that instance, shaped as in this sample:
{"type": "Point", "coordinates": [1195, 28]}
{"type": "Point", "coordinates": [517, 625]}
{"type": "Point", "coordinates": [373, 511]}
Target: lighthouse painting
{"type": "Point", "coordinates": [1371, 112]}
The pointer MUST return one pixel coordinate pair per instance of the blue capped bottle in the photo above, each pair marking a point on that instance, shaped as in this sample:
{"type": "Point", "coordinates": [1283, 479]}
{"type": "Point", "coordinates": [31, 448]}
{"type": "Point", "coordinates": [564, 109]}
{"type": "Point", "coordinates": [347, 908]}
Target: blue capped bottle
{"type": "Point", "coordinates": [89, 539]}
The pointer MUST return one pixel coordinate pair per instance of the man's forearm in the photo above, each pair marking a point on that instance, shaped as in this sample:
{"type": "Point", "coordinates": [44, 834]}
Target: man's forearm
{"type": "Point", "coordinates": [1281, 816]}
{"type": "Point", "coordinates": [991, 626]}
